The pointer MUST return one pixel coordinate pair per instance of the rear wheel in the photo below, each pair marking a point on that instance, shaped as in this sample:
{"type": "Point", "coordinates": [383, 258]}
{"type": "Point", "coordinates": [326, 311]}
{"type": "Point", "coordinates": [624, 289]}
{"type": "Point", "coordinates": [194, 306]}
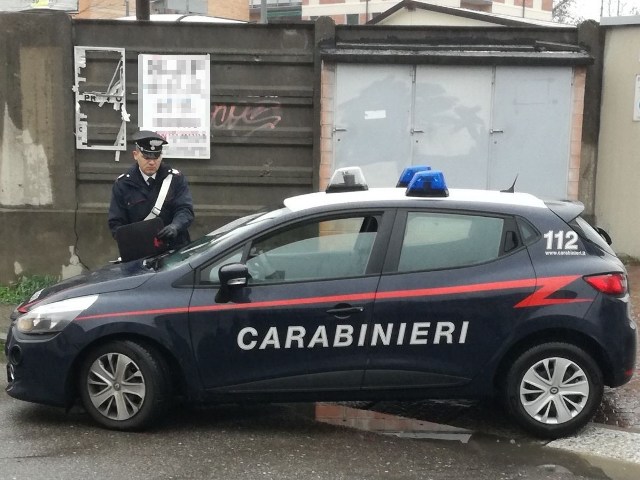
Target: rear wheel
{"type": "Point", "coordinates": [553, 389]}
{"type": "Point", "coordinates": [123, 385]}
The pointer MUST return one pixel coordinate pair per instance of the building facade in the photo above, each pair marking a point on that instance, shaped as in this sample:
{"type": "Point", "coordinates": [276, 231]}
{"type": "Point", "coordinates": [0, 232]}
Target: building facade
{"type": "Point", "coordinates": [97, 9]}
{"type": "Point", "coordinates": [275, 10]}
{"type": "Point", "coordinates": [617, 176]}
{"type": "Point", "coordinates": [354, 12]}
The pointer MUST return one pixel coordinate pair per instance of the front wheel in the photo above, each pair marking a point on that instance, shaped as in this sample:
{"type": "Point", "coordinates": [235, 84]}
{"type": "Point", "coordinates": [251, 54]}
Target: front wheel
{"type": "Point", "coordinates": [553, 389]}
{"type": "Point", "coordinates": [123, 385]}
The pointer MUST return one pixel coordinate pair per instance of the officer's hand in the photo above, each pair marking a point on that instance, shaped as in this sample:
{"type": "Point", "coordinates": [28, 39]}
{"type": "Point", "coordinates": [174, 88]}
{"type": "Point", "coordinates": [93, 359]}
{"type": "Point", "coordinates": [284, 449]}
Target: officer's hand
{"type": "Point", "coordinates": [169, 232]}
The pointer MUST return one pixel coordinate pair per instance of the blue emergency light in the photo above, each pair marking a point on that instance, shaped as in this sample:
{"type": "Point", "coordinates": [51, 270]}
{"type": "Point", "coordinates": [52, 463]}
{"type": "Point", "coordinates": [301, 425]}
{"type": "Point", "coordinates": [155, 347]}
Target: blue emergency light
{"type": "Point", "coordinates": [408, 173]}
{"type": "Point", "coordinates": [428, 183]}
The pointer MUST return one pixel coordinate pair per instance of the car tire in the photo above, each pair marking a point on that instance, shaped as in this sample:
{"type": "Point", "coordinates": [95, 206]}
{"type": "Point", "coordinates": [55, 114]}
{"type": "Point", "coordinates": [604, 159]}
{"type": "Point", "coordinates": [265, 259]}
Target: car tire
{"type": "Point", "coordinates": [124, 385]}
{"type": "Point", "coordinates": [553, 389]}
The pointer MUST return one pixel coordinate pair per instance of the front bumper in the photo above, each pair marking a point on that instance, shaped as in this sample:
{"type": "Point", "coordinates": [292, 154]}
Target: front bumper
{"type": "Point", "coordinates": [38, 368]}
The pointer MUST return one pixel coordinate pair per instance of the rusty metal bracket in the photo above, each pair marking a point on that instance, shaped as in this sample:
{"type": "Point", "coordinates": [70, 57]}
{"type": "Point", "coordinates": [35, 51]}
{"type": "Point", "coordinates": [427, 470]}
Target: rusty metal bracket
{"type": "Point", "coordinates": [97, 129]}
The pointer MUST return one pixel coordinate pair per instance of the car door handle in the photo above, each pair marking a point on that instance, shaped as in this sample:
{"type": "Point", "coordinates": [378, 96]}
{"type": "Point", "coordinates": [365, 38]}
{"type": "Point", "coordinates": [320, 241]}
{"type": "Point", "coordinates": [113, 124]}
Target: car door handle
{"type": "Point", "coordinates": [344, 312]}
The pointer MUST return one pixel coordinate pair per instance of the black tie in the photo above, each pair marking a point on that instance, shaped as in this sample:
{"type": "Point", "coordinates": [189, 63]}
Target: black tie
{"type": "Point", "coordinates": [151, 181]}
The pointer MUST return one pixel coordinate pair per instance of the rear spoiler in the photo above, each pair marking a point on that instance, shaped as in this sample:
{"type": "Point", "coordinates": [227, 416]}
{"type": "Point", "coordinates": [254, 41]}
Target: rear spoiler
{"type": "Point", "coordinates": [567, 210]}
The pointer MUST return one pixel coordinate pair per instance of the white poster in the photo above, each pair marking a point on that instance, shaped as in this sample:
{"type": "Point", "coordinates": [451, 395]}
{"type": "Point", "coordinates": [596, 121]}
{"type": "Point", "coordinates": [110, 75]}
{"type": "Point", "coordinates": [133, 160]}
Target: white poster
{"type": "Point", "coordinates": [174, 100]}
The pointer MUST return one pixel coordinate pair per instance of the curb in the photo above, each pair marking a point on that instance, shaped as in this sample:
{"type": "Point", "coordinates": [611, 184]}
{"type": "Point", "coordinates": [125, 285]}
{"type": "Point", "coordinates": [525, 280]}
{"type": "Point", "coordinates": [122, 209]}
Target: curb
{"type": "Point", "coordinates": [604, 441]}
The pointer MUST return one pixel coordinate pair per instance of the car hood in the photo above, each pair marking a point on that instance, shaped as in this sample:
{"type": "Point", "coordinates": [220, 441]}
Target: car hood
{"type": "Point", "coordinates": [110, 278]}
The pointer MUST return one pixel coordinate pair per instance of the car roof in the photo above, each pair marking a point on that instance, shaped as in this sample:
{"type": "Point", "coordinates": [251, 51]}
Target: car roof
{"type": "Point", "coordinates": [398, 195]}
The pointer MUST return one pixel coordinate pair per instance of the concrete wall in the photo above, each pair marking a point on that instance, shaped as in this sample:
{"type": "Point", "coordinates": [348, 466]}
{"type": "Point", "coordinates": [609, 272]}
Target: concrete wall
{"type": "Point", "coordinates": [618, 173]}
{"type": "Point", "coordinates": [54, 198]}
{"type": "Point", "coordinates": [37, 201]}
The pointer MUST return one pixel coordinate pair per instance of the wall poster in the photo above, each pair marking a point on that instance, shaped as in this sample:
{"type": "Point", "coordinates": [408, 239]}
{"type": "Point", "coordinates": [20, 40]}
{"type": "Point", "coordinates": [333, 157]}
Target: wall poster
{"type": "Point", "coordinates": [174, 100]}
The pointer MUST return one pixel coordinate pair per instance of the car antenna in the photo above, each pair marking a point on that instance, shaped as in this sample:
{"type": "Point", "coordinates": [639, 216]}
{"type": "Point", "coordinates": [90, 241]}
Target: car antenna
{"type": "Point", "coordinates": [512, 188]}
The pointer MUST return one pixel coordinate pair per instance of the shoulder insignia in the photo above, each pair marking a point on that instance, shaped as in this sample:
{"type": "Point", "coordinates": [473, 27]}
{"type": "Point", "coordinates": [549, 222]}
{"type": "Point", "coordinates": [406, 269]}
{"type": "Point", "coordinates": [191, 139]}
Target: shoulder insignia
{"type": "Point", "coordinates": [121, 176]}
{"type": "Point", "coordinates": [174, 171]}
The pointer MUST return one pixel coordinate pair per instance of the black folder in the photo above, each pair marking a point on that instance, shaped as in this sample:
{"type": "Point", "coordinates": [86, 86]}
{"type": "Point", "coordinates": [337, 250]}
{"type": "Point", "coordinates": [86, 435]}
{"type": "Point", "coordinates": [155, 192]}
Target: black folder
{"type": "Point", "coordinates": [138, 240]}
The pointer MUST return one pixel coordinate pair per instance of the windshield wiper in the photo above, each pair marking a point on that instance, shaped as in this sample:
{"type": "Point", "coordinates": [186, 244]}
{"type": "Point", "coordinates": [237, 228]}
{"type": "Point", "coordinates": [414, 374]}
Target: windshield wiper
{"type": "Point", "coordinates": [154, 262]}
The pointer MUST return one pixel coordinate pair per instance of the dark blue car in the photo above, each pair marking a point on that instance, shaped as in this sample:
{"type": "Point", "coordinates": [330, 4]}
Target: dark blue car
{"type": "Point", "coordinates": [410, 292]}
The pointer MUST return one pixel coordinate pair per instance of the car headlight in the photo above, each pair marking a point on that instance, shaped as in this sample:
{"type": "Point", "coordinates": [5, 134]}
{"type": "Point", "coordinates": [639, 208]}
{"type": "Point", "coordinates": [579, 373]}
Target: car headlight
{"type": "Point", "coordinates": [53, 317]}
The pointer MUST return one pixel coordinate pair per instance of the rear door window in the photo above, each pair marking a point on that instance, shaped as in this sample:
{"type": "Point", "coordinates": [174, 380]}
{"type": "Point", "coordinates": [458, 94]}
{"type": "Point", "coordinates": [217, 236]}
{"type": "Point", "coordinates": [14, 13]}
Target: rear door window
{"type": "Point", "coordinates": [435, 240]}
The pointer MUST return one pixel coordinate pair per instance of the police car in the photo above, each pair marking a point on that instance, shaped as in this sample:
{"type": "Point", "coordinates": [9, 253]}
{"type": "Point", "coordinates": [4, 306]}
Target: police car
{"type": "Point", "coordinates": [410, 292]}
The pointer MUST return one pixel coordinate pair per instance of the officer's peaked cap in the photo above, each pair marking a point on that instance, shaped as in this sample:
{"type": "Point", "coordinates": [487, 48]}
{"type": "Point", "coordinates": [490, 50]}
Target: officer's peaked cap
{"type": "Point", "coordinates": [149, 143]}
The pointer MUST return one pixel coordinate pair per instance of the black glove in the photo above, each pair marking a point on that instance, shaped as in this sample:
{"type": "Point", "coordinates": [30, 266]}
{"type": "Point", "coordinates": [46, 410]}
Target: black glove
{"type": "Point", "coordinates": [168, 233]}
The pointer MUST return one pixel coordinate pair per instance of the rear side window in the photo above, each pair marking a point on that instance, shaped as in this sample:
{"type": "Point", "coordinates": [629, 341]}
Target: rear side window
{"type": "Point", "coordinates": [582, 227]}
{"type": "Point", "coordinates": [527, 231]}
{"type": "Point", "coordinates": [440, 240]}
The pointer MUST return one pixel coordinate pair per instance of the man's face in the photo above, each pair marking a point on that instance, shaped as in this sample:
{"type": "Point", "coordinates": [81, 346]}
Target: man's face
{"type": "Point", "coordinates": [148, 165]}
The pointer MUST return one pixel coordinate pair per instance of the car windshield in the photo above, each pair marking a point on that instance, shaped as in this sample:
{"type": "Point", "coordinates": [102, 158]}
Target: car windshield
{"type": "Point", "coordinates": [207, 241]}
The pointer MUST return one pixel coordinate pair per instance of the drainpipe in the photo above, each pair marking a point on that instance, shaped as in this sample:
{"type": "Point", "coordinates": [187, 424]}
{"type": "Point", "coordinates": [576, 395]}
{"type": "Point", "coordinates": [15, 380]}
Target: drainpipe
{"type": "Point", "coordinates": [142, 10]}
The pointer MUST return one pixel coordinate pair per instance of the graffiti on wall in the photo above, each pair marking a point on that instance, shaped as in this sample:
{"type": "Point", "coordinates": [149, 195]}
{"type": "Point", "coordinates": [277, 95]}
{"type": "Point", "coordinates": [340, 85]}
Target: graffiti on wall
{"type": "Point", "coordinates": [248, 119]}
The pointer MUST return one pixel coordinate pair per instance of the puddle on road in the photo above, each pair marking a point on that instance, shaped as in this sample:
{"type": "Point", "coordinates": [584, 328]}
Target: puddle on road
{"type": "Point", "coordinates": [509, 447]}
{"type": "Point", "coordinates": [456, 437]}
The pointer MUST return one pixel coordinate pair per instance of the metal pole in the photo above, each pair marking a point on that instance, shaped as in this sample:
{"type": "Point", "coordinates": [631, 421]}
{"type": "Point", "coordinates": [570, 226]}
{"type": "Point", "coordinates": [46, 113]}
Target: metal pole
{"type": "Point", "coordinates": [263, 11]}
{"type": "Point", "coordinates": [142, 10]}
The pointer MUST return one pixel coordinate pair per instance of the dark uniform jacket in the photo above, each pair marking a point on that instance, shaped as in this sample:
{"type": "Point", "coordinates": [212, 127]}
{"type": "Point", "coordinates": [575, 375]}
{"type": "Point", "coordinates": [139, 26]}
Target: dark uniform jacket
{"type": "Point", "coordinates": [132, 200]}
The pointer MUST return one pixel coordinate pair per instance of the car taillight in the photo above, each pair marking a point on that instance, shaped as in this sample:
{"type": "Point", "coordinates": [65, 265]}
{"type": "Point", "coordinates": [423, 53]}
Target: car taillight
{"type": "Point", "coordinates": [609, 283]}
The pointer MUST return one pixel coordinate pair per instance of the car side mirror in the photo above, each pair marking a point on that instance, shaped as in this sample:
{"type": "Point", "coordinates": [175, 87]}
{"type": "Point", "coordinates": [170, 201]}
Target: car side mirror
{"type": "Point", "coordinates": [232, 277]}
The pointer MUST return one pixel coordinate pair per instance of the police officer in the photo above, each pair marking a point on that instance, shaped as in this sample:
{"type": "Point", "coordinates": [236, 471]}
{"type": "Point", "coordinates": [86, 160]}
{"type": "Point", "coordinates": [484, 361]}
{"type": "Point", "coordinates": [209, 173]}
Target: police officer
{"type": "Point", "coordinates": [135, 192]}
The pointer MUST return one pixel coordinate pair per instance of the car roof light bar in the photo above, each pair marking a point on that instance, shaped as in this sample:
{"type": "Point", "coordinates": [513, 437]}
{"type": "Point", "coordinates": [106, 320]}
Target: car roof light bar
{"type": "Point", "coordinates": [428, 184]}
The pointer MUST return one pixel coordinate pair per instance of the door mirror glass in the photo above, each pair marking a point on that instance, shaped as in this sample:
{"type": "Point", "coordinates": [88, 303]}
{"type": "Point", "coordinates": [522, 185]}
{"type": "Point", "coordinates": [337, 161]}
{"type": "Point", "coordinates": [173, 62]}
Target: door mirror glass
{"type": "Point", "coordinates": [233, 275]}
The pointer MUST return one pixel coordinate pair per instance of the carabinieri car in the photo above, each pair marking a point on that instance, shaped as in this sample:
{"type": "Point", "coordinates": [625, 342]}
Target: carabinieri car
{"type": "Point", "coordinates": [410, 292]}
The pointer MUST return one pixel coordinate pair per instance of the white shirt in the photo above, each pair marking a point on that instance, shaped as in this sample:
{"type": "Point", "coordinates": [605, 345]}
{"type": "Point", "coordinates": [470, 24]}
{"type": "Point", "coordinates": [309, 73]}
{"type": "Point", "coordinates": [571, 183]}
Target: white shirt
{"type": "Point", "coordinates": [146, 177]}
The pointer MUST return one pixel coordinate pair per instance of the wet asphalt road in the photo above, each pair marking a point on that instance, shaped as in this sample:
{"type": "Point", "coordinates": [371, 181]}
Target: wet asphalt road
{"type": "Point", "coordinates": [263, 442]}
